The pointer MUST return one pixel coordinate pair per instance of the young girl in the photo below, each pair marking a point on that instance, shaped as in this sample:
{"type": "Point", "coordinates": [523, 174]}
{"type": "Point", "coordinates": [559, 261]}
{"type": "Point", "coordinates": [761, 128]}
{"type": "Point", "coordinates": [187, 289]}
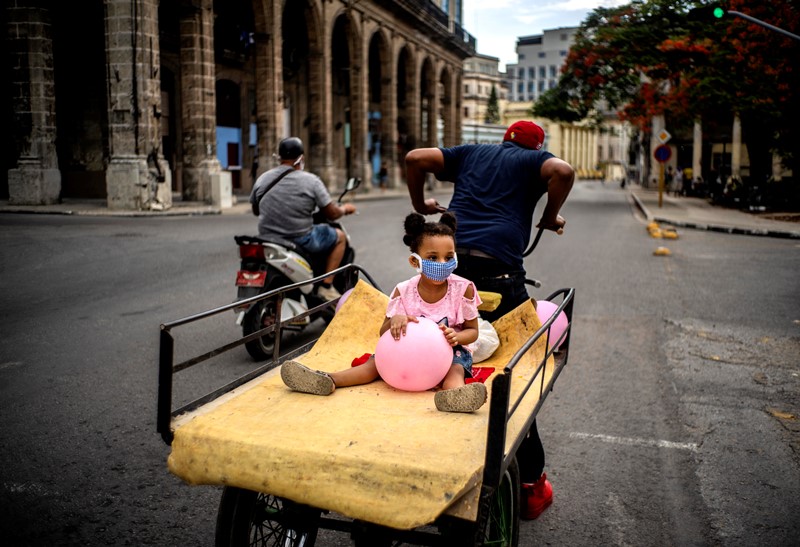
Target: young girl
{"type": "Point", "coordinates": [436, 293]}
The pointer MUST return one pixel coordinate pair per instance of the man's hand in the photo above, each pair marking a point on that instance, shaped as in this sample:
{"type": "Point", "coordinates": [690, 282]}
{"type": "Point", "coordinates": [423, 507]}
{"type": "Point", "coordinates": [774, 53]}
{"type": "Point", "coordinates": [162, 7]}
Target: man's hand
{"type": "Point", "coordinates": [431, 207]}
{"type": "Point", "coordinates": [556, 225]}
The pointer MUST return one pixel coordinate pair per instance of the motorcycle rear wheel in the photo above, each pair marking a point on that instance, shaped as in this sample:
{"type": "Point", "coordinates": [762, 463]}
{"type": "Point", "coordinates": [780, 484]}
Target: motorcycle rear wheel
{"type": "Point", "coordinates": [261, 315]}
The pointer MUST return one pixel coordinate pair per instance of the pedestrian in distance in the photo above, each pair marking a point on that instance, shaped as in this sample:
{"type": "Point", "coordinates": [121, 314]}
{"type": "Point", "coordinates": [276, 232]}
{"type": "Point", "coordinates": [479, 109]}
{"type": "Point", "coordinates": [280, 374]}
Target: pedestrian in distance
{"type": "Point", "coordinates": [285, 198]}
{"type": "Point", "coordinates": [435, 293]}
{"type": "Point", "coordinates": [496, 188]}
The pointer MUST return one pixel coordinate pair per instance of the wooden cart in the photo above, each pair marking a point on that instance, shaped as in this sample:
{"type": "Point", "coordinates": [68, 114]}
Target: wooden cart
{"type": "Point", "coordinates": [373, 461]}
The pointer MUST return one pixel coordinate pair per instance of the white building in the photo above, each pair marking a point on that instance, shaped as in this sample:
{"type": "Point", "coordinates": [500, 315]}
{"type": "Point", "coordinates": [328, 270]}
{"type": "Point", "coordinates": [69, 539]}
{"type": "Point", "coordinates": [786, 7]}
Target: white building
{"type": "Point", "coordinates": [481, 75]}
{"type": "Point", "coordinates": [539, 61]}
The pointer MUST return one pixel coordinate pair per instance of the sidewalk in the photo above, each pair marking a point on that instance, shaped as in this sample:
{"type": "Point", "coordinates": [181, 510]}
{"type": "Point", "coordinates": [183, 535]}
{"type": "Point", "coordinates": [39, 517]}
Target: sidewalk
{"type": "Point", "coordinates": [699, 214]}
{"type": "Point", "coordinates": [241, 206]}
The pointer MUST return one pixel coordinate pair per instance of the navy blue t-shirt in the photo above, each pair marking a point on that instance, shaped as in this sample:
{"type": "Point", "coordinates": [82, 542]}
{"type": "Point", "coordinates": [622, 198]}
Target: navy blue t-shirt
{"type": "Point", "coordinates": [496, 190]}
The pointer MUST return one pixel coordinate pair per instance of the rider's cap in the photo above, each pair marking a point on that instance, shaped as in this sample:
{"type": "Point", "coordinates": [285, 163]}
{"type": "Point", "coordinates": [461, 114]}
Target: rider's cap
{"type": "Point", "coordinates": [290, 148]}
{"type": "Point", "coordinates": [526, 134]}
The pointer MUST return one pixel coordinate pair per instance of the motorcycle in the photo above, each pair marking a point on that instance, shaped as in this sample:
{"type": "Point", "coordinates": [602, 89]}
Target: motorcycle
{"type": "Point", "coordinates": [271, 263]}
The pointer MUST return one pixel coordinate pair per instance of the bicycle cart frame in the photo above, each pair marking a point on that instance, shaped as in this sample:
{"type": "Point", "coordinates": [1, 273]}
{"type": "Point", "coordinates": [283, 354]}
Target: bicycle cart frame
{"type": "Point", "coordinates": [501, 407]}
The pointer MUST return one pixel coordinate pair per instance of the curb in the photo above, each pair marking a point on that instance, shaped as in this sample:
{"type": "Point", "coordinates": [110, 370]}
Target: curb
{"type": "Point", "coordinates": [714, 227]}
{"type": "Point", "coordinates": [242, 207]}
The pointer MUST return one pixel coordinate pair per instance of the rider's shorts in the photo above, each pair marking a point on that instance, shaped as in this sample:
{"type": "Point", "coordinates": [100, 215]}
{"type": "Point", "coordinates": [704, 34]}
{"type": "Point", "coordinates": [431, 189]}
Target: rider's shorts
{"type": "Point", "coordinates": [320, 239]}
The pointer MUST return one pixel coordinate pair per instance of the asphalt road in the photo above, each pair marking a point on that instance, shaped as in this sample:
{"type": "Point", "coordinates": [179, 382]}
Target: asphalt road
{"type": "Point", "coordinates": [675, 422]}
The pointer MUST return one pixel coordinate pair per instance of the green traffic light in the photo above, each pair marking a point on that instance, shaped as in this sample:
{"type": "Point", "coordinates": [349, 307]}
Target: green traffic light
{"type": "Point", "coordinates": [719, 13]}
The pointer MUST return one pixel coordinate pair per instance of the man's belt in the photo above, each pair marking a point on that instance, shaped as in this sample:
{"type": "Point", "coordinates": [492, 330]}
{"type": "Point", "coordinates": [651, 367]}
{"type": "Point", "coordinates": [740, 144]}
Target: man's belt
{"type": "Point", "coordinates": [463, 251]}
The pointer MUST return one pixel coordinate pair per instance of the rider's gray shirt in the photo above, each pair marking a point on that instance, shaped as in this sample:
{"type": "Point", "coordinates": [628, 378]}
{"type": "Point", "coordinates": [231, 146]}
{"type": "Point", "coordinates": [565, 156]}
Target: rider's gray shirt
{"type": "Point", "coordinates": [285, 211]}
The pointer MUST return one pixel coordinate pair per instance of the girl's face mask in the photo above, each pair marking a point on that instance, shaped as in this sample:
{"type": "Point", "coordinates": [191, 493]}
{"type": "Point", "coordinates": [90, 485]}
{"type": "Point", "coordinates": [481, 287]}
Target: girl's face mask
{"type": "Point", "coordinates": [437, 271]}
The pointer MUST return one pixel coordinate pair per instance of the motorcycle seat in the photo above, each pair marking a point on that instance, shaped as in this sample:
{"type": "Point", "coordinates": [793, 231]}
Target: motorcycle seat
{"type": "Point", "coordinates": [292, 246]}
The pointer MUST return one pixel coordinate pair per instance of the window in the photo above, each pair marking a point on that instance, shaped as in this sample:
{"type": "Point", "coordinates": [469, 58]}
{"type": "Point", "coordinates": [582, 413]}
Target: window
{"type": "Point", "coordinates": [553, 71]}
{"type": "Point", "coordinates": [466, 112]}
{"type": "Point", "coordinates": [466, 89]}
{"type": "Point", "coordinates": [521, 56]}
{"type": "Point", "coordinates": [542, 55]}
{"type": "Point", "coordinates": [542, 72]}
{"type": "Point", "coordinates": [563, 53]}
{"type": "Point", "coordinates": [564, 37]}
{"type": "Point", "coordinates": [552, 84]}
{"type": "Point", "coordinates": [520, 88]}
{"type": "Point", "coordinates": [531, 73]}
{"type": "Point", "coordinates": [541, 85]}
{"type": "Point", "coordinates": [521, 73]}
{"type": "Point", "coordinates": [530, 87]}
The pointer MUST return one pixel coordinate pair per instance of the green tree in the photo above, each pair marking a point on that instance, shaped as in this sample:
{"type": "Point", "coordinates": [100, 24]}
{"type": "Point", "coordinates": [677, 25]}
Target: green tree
{"type": "Point", "coordinates": [492, 108]}
{"type": "Point", "coordinates": [649, 57]}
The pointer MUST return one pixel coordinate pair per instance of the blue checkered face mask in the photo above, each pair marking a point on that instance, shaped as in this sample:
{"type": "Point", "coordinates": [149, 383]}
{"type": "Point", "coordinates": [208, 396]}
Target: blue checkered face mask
{"type": "Point", "coordinates": [437, 271]}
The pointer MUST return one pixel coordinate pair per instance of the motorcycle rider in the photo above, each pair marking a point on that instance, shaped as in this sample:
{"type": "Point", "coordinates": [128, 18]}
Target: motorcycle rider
{"type": "Point", "coordinates": [285, 210]}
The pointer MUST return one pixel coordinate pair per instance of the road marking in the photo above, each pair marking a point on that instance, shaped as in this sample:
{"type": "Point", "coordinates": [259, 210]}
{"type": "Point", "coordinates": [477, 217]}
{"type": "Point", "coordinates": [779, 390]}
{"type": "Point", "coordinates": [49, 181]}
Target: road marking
{"type": "Point", "coordinates": [692, 447]}
{"type": "Point", "coordinates": [10, 364]}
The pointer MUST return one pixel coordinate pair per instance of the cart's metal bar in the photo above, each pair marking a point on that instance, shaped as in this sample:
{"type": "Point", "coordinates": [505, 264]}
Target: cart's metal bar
{"type": "Point", "coordinates": [188, 407]}
{"type": "Point", "coordinates": [163, 417]}
{"type": "Point", "coordinates": [167, 367]}
{"type": "Point", "coordinates": [496, 460]}
{"type": "Point", "coordinates": [208, 313]}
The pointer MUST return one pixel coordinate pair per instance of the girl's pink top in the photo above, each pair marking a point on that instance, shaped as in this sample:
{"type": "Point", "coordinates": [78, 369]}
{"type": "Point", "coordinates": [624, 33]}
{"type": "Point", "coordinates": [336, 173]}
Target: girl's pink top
{"type": "Point", "coordinates": [453, 305]}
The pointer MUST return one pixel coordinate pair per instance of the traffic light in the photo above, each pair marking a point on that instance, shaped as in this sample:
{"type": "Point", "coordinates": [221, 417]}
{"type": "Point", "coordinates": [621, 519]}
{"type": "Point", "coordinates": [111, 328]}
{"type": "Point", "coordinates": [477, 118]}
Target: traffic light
{"type": "Point", "coordinates": [707, 13]}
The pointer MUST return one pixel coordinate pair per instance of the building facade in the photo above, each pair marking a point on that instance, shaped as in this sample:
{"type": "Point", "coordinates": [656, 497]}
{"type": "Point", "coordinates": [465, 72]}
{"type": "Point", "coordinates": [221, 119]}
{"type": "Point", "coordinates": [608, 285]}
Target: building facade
{"type": "Point", "coordinates": [133, 101]}
{"type": "Point", "coordinates": [539, 61]}
{"type": "Point", "coordinates": [482, 77]}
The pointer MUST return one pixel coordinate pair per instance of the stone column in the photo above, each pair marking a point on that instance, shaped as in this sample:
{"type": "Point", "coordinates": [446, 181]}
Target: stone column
{"type": "Point", "coordinates": [268, 83]}
{"type": "Point", "coordinates": [736, 149]}
{"type": "Point", "coordinates": [137, 176]}
{"type": "Point", "coordinates": [657, 125]}
{"type": "Point", "coordinates": [697, 149]}
{"type": "Point", "coordinates": [36, 179]}
{"type": "Point", "coordinates": [389, 149]}
{"type": "Point", "coordinates": [198, 92]}
{"type": "Point", "coordinates": [359, 115]}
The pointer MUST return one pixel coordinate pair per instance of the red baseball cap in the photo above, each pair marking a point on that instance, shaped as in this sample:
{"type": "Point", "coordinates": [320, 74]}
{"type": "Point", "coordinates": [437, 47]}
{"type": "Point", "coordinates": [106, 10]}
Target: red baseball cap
{"type": "Point", "coordinates": [526, 134]}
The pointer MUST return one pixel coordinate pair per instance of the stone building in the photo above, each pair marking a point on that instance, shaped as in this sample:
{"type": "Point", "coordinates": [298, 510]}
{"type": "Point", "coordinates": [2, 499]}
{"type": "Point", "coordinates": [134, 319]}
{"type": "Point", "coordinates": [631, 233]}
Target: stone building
{"type": "Point", "coordinates": [133, 101]}
{"type": "Point", "coordinates": [481, 76]}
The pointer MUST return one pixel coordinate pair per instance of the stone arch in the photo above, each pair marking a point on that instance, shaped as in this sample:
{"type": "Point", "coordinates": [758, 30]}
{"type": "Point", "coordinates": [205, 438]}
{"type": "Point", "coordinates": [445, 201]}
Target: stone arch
{"type": "Point", "coordinates": [345, 72]}
{"type": "Point", "coordinates": [427, 103]}
{"type": "Point", "coordinates": [447, 104]}
{"type": "Point", "coordinates": [81, 107]}
{"type": "Point", "coordinates": [379, 79]}
{"type": "Point", "coordinates": [302, 76]}
{"type": "Point", "coordinates": [405, 86]}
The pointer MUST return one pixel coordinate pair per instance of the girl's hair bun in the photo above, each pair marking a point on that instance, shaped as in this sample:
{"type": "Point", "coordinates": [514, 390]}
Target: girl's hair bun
{"type": "Point", "coordinates": [416, 228]}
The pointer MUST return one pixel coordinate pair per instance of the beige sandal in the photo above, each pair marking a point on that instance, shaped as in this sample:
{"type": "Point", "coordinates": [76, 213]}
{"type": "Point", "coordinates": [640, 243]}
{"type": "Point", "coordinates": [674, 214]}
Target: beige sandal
{"type": "Point", "coordinates": [467, 398]}
{"type": "Point", "coordinates": [301, 378]}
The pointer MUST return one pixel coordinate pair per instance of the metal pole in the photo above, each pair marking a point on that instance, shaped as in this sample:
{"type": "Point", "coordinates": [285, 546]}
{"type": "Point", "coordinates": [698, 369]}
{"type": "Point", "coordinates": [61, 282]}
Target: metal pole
{"type": "Point", "coordinates": [763, 24]}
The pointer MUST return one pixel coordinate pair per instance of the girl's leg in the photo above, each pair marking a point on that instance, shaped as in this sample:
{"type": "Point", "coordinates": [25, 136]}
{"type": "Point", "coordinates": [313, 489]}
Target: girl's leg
{"type": "Point", "coordinates": [356, 376]}
{"type": "Point", "coordinates": [454, 377]}
{"type": "Point", "coordinates": [300, 378]}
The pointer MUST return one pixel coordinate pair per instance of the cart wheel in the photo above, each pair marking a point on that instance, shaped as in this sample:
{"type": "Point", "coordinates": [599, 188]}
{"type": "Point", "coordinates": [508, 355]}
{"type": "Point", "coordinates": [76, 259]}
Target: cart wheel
{"type": "Point", "coordinates": [248, 518]}
{"type": "Point", "coordinates": [502, 522]}
{"type": "Point", "coordinates": [498, 523]}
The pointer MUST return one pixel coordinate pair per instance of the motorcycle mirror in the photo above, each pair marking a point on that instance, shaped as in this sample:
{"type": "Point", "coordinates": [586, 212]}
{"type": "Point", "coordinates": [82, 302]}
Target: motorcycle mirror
{"type": "Point", "coordinates": [352, 184]}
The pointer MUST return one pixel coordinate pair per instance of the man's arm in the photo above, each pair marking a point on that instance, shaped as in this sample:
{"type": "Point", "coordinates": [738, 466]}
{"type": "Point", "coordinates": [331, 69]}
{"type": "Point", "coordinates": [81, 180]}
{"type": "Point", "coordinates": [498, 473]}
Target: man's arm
{"type": "Point", "coordinates": [559, 176]}
{"type": "Point", "coordinates": [333, 210]}
{"type": "Point", "coordinates": [419, 162]}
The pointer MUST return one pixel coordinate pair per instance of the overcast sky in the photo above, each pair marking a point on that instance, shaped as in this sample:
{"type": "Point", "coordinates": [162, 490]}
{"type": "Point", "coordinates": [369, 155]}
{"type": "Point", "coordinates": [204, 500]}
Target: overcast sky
{"type": "Point", "coordinates": [497, 24]}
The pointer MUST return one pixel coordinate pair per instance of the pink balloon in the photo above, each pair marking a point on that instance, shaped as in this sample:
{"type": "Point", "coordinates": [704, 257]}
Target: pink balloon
{"type": "Point", "coordinates": [545, 309]}
{"type": "Point", "coordinates": [342, 300]}
{"type": "Point", "coordinates": [418, 361]}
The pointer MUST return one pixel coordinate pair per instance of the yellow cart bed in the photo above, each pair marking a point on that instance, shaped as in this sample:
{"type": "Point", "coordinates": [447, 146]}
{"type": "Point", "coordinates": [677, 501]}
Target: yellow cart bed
{"type": "Point", "coordinates": [385, 462]}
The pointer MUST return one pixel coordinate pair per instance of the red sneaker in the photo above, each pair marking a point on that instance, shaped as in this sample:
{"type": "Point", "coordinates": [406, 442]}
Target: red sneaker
{"type": "Point", "coordinates": [536, 497]}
